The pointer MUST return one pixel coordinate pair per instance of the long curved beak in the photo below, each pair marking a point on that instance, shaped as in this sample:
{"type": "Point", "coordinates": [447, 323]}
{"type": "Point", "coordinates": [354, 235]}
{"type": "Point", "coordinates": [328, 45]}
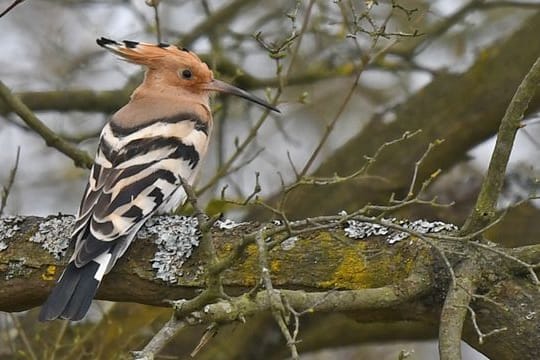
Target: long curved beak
{"type": "Point", "coordinates": [220, 86]}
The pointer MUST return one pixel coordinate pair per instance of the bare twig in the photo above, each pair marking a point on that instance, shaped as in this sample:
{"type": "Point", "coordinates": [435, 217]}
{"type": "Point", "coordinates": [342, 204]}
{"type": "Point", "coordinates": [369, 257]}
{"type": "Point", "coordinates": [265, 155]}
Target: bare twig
{"type": "Point", "coordinates": [455, 310]}
{"type": "Point", "coordinates": [319, 181]}
{"type": "Point", "coordinates": [530, 267]}
{"type": "Point", "coordinates": [482, 335]}
{"type": "Point", "coordinates": [515, 4]}
{"type": "Point", "coordinates": [365, 60]}
{"type": "Point", "coordinates": [220, 16]}
{"type": "Point", "coordinates": [158, 342]}
{"type": "Point", "coordinates": [417, 164]}
{"type": "Point", "coordinates": [209, 333]}
{"type": "Point", "coordinates": [155, 4]}
{"type": "Point", "coordinates": [58, 339]}
{"type": "Point", "coordinates": [213, 290]}
{"type": "Point", "coordinates": [299, 40]}
{"type": "Point", "coordinates": [11, 179]}
{"type": "Point", "coordinates": [11, 7]}
{"type": "Point", "coordinates": [276, 305]}
{"type": "Point", "coordinates": [275, 51]}
{"type": "Point", "coordinates": [22, 333]}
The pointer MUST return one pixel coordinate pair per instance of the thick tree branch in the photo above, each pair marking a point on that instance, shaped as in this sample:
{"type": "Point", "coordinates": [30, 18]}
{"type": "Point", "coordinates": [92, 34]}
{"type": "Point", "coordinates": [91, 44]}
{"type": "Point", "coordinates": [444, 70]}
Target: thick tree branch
{"type": "Point", "coordinates": [108, 101]}
{"type": "Point", "coordinates": [329, 264]}
{"type": "Point", "coordinates": [390, 280]}
{"type": "Point", "coordinates": [72, 100]}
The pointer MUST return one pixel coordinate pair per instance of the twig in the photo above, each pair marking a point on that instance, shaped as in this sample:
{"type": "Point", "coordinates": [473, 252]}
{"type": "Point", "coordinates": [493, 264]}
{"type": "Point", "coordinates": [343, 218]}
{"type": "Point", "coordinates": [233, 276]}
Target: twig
{"type": "Point", "coordinates": [417, 164]}
{"type": "Point", "coordinates": [318, 181]}
{"type": "Point", "coordinates": [516, 4]}
{"type": "Point", "coordinates": [7, 188]}
{"type": "Point", "coordinates": [155, 4]}
{"type": "Point", "coordinates": [207, 246]}
{"type": "Point", "coordinates": [490, 300]}
{"type": "Point", "coordinates": [78, 346]}
{"type": "Point", "coordinates": [482, 335]}
{"type": "Point", "coordinates": [80, 157]}
{"type": "Point", "coordinates": [219, 16]}
{"type": "Point", "coordinates": [359, 69]}
{"type": "Point", "coordinates": [484, 211]}
{"type": "Point", "coordinates": [22, 333]}
{"type": "Point", "coordinates": [158, 341]}
{"type": "Point", "coordinates": [209, 333]}
{"type": "Point", "coordinates": [274, 297]}
{"type": "Point", "coordinates": [11, 7]}
{"type": "Point", "coordinates": [330, 126]}
{"type": "Point", "coordinates": [417, 284]}
{"type": "Point", "coordinates": [300, 37]}
{"type": "Point", "coordinates": [529, 253]}
{"type": "Point", "coordinates": [58, 339]}
{"type": "Point", "coordinates": [504, 254]}
{"type": "Point", "coordinates": [454, 311]}
{"type": "Point", "coordinates": [214, 287]}
{"type": "Point", "coordinates": [240, 148]}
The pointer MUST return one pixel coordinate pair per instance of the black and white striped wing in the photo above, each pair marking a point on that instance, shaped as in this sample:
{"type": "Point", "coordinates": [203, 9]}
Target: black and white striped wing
{"type": "Point", "coordinates": [135, 173]}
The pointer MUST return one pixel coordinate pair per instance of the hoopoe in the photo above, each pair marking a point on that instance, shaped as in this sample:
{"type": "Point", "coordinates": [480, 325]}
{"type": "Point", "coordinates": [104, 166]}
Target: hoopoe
{"type": "Point", "coordinates": [148, 146]}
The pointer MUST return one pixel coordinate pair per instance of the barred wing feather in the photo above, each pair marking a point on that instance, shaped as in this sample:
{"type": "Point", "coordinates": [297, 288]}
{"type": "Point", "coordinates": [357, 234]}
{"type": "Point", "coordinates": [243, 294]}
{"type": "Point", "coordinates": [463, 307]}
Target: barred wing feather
{"type": "Point", "coordinates": [136, 173]}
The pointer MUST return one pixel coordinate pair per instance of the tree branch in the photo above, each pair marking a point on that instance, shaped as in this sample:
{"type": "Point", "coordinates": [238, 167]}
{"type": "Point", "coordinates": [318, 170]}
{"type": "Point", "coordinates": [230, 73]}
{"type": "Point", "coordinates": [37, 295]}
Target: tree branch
{"type": "Point", "coordinates": [455, 310]}
{"type": "Point", "coordinates": [29, 270]}
{"type": "Point", "coordinates": [485, 209]}
{"type": "Point", "coordinates": [335, 273]}
{"type": "Point", "coordinates": [80, 157]}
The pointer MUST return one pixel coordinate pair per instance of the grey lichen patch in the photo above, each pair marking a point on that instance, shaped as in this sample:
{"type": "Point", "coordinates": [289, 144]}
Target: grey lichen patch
{"type": "Point", "coordinates": [176, 238]}
{"type": "Point", "coordinates": [54, 234]}
{"type": "Point", "coordinates": [228, 224]}
{"type": "Point", "coordinates": [15, 269]}
{"type": "Point", "coordinates": [289, 243]}
{"type": "Point", "coordinates": [361, 230]}
{"type": "Point", "coordinates": [9, 226]}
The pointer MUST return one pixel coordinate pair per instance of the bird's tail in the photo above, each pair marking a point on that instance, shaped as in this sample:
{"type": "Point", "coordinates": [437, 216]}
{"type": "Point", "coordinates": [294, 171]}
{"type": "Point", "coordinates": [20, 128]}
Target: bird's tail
{"type": "Point", "coordinates": [72, 295]}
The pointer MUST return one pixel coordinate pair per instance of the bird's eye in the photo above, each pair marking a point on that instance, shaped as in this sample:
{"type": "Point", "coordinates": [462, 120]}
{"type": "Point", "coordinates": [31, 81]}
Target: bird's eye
{"type": "Point", "coordinates": [186, 74]}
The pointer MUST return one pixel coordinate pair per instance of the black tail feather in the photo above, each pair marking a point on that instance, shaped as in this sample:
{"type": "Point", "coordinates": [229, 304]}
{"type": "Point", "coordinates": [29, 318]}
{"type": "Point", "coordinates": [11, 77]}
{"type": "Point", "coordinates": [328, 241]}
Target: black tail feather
{"type": "Point", "coordinates": [73, 294]}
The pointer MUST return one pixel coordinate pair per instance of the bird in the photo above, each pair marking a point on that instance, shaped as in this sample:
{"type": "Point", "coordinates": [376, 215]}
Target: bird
{"type": "Point", "coordinates": [146, 150]}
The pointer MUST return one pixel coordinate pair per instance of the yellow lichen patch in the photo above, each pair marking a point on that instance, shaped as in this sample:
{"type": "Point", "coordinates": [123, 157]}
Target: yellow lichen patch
{"type": "Point", "coordinates": [250, 268]}
{"type": "Point", "coordinates": [349, 274]}
{"type": "Point", "coordinates": [227, 247]}
{"type": "Point", "coordinates": [275, 265]}
{"type": "Point", "coordinates": [49, 273]}
{"type": "Point", "coordinates": [360, 268]}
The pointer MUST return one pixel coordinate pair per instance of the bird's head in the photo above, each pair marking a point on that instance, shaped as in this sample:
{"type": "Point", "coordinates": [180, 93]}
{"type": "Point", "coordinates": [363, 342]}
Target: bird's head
{"type": "Point", "coordinates": [176, 67]}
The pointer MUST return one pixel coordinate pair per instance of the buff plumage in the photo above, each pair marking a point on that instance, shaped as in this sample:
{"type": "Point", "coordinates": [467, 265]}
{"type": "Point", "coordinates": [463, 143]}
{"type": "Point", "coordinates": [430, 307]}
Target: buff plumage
{"type": "Point", "coordinates": [159, 138]}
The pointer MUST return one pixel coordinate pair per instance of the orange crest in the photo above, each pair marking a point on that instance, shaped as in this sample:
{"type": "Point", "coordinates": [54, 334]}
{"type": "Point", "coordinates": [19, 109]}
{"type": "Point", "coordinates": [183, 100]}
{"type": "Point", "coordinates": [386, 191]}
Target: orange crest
{"type": "Point", "coordinates": [155, 56]}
